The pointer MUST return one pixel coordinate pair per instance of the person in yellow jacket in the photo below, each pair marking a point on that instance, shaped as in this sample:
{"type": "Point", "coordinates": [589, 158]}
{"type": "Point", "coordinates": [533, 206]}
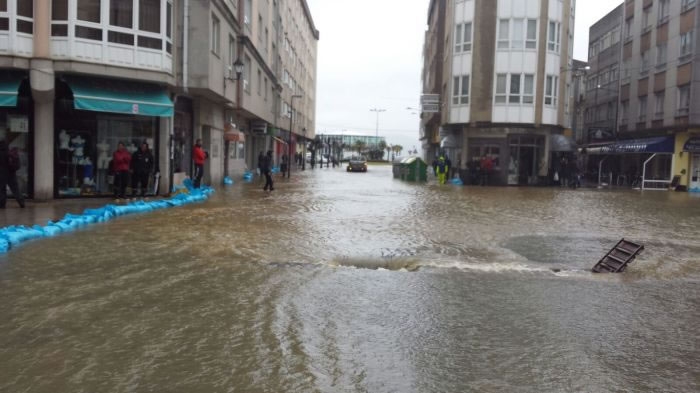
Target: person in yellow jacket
{"type": "Point", "coordinates": [442, 170]}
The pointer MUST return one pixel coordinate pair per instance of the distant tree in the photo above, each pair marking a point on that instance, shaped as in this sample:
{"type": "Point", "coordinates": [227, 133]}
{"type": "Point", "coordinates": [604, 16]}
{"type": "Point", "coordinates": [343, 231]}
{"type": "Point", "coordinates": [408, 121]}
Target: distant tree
{"type": "Point", "coordinates": [397, 149]}
{"type": "Point", "coordinates": [381, 146]}
{"type": "Point", "coordinates": [360, 146]}
{"type": "Point", "coordinates": [388, 152]}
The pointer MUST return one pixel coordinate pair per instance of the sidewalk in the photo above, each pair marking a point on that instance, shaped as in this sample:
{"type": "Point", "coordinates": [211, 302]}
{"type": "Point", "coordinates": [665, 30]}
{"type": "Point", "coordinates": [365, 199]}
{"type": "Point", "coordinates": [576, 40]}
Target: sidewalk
{"type": "Point", "coordinates": [39, 213]}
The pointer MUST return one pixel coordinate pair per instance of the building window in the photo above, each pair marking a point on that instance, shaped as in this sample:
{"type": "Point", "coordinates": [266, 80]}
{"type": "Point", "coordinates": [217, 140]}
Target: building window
{"type": "Point", "coordinates": [642, 108]}
{"type": "Point", "coordinates": [215, 34]}
{"type": "Point", "coordinates": [121, 13]}
{"type": "Point", "coordinates": [686, 44]}
{"type": "Point", "coordinates": [149, 16]}
{"type": "Point", "coordinates": [628, 28]}
{"type": "Point", "coordinates": [514, 93]}
{"type": "Point", "coordinates": [501, 80]}
{"type": "Point", "coordinates": [663, 10]}
{"type": "Point", "coordinates": [247, 13]}
{"type": "Point", "coordinates": [463, 37]}
{"type": "Point", "coordinates": [683, 100]}
{"type": "Point", "coordinates": [246, 74]}
{"type": "Point", "coordinates": [89, 10]}
{"type": "Point", "coordinates": [661, 54]}
{"type": "Point", "coordinates": [458, 38]}
{"type": "Point", "coordinates": [59, 10]}
{"type": "Point", "coordinates": [646, 20]}
{"type": "Point", "coordinates": [624, 110]}
{"type": "Point", "coordinates": [460, 90]}
{"type": "Point", "coordinates": [265, 89]}
{"type": "Point", "coordinates": [531, 39]}
{"type": "Point", "coordinates": [518, 38]}
{"type": "Point", "coordinates": [687, 4]}
{"type": "Point", "coordinates": [554, 38]}
{"type": "Point", "coordinates": [659, 99]}
{"type": "Point", "coordinates": [260, 29]}
{"type": "Point", "coordinates": [529, 89]}
{"type": "Point", "coordinates": [645, 62]}
{"type": "Point", "coordinates": [259, 82]}
{"type": "Point", "coordinates": [503, 34]}
{"type": "Point", "coordinates": [550, 90]}
{"type": "Point", "coordinates": [231, 54]}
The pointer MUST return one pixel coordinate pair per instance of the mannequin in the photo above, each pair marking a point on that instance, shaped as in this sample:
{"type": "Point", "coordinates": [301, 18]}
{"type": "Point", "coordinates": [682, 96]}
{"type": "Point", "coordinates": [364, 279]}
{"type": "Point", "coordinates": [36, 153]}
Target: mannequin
{"type": "Point", "coordinates": [78, 145]}
{"type": "Point", "coordinates": [88, 172]}
{"type": "Point", "coordinates": [64, 139]}
{"type": "Point", "coordinates": [132, 148]}
{"type": "Point", "coordinates": [103, 156]}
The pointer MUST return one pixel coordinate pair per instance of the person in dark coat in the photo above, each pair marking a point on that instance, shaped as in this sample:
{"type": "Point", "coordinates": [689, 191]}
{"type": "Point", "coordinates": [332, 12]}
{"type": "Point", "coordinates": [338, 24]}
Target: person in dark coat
{"type": "Point", "coordinates": [261, 158]}
{"type": "Point", "coordinates": [142, 166]}
{"type": "Point", "coordinates": [266, 169]}
{"type": "Point", "coordinates": [9, 164]}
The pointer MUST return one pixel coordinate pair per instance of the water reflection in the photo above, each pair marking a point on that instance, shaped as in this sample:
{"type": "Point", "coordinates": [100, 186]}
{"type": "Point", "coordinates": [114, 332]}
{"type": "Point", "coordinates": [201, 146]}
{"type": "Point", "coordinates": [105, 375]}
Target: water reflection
{"type": "Point", "coordinates": [358, 283]}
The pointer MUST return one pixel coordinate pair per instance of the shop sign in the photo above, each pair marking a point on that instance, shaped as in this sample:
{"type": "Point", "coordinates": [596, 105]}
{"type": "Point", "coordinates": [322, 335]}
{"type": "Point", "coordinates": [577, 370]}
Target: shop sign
{"type": "Point", "coordinates": [18, 123]}
{"type": "Point", "coordinates": [431, 108]}
{"type": "Point", "coordinates": [693, 145]}
{"type": "Point", "coordinates": [135, 109]}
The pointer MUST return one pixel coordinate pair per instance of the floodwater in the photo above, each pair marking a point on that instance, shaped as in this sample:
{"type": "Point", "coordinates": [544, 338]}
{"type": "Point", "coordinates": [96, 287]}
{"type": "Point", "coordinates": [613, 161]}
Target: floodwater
{"type": "Point", "coordinates": [351, 282]}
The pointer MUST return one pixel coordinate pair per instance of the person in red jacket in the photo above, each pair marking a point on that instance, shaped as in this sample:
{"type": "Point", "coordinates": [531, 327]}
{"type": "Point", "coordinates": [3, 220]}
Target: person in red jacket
{"type": "Point", "coordinates": [198, 156]}
{"type": "Point", "coordinates": [121, 163]}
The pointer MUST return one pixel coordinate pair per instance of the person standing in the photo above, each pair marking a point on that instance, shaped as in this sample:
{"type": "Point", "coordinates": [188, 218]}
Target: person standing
{"type": "Point", "coordinates": [266, 169]}
{"type": "Point", "coordinates": [9, 164]}
{"type": "Point", "coordinates": [142, 166]}
{"type": "Point", "coordinates": [261, 158]}
{"type": "Point", "coordinates": [442, 170]}
{"type": "Point", "coordinates": [121, 162]}
{"type": "Point", "coordinates": [198, 156]}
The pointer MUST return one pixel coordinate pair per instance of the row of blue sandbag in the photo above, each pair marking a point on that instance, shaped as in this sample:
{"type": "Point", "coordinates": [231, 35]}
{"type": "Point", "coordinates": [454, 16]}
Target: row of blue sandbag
{"type": "Point", "coordinates": [13, 236]}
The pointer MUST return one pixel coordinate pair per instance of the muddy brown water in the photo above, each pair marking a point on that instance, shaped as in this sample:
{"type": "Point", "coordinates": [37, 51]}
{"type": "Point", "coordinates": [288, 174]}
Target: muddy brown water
{"type": "Point", "coordinates": [351, 282]}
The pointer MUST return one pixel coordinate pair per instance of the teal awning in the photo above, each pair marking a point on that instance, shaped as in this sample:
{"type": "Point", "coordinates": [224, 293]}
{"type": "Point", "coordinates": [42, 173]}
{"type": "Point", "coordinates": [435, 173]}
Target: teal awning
{"type": "Point", "coordinates": [118, 96]}
{"type": "Point", "coordinates": [9, 87]}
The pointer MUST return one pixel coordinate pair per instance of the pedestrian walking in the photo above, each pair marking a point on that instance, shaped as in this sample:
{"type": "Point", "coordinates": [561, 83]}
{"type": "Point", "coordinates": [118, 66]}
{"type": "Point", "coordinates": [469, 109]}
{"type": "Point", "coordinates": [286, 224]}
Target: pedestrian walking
{"type": "Point", "coordinates": [198, 156]}
{"type": "Point", "coordinates": [142, 166]}
{"type": "Point", "coordinates": [9, 164]}
{"type": "Point", "coordinates": [442, 170]}
{"type": "Point", "coordinates": [266, 169]}
{"type": "Point", "coordinates": [486, 166]}
{"type": "Point", "coordinates": [121, 163]}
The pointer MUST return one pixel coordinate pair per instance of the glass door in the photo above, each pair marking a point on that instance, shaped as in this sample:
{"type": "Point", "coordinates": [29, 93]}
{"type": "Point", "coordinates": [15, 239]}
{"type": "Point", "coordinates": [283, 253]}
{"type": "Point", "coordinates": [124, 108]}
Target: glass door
{"type": "Point", "coordinates": [695, 173]}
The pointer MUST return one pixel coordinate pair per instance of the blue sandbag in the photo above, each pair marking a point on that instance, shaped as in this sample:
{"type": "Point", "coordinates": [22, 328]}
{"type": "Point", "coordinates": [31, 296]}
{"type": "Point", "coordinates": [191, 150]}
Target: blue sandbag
{"type": "Point", "coordinates": [4, 246]}
{"type": "Point", "coordinates": [228, 181]}
{"type": "Point", "coordinates": [51, 230]}
{"type": "Point", "coordinates": [18, 235]}
{"type": "Point", "coordinates": [188, 184]}
{"type": "Point", "coordinates": [457, 181]}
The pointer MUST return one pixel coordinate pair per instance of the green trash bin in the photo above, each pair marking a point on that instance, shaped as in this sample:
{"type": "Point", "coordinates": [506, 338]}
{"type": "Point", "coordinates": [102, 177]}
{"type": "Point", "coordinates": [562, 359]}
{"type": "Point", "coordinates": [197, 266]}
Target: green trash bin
{"type": "Point", "coordinates": [412, 169]}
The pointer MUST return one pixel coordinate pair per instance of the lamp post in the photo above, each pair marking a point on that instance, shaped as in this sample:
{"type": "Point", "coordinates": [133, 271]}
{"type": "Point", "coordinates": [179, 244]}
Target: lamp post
{"type": "Point", "coordinates": [289, 141]}
{"type": "Point", "coordinates": [378, 111]}
{"type": "Point", "coordinates": [238, 67]}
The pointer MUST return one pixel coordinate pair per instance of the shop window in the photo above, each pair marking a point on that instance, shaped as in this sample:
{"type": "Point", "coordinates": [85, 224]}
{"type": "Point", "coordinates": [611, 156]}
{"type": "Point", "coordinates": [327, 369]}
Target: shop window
{"type": "Point", "coordinates": [241, 150]}
{"type": "Point", "coordinates": [149, 15]}
{"type": "Point", "coordinates": [121, 13]}
{"type": "Point", "coordinates": [89, 11]}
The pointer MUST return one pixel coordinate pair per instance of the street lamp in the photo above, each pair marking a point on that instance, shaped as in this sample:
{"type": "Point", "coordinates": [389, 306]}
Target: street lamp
{"type": "Point", "coordinates": [289, 141]}
{"type": "Point", "coordinates": [378, 111]}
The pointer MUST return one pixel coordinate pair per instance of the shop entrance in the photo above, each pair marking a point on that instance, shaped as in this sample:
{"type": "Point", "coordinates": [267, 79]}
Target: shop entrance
{"type": "Point", "coordinates": [695, 173]}
{"type": "Point", "coordinates": [525, 158]}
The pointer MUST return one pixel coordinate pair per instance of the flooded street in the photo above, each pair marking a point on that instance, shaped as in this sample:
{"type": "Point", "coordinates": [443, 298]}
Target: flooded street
{"type": "Point", "coordinates": [352, 282]}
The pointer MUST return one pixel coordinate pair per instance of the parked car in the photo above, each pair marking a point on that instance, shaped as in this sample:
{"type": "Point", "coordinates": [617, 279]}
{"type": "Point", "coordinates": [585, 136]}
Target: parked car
{"type": "Point", "coordinates": [357, 164]}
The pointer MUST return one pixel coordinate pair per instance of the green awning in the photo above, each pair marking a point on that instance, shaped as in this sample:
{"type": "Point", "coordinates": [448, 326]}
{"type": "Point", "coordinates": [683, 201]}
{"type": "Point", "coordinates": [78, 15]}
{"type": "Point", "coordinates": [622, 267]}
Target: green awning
{"type": "Point", "coordinates": [119, 96]}
{"type": "Point", "coordinates": [9, 87]}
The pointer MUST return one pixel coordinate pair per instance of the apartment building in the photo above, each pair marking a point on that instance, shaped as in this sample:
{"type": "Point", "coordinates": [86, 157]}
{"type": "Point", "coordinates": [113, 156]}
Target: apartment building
{"type": "Point", "coordinates": [658, 126]}
{"type": "Point", "coordinates": [77, 77]}
{"type": "Point", "coordinates": [433, 63]}
{"type": "Point", "coordinates": [504, 85]}
{"type": "Point", "coordinates": [603, 82]}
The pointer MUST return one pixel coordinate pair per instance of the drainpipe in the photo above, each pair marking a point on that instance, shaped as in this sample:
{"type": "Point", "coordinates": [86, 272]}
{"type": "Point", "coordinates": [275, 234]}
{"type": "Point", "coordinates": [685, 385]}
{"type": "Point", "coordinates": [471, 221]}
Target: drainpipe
{"type": "Point", "coordinates": [185, 46]}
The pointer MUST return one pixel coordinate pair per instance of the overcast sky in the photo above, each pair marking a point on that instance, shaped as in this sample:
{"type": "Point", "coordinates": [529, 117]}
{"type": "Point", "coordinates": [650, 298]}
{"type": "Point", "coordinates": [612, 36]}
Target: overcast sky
{"type": "Point", "coordinates": [370, 56]}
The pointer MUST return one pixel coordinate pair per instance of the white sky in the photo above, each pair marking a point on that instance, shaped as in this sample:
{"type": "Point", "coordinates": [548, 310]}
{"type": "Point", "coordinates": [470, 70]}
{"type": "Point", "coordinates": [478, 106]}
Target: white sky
{"type": "Point", "coordinates": [370, 56]}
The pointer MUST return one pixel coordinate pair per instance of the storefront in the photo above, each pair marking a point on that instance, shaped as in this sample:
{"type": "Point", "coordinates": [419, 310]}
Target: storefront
{"type": "Point", "coordinates": [16, 124]}
{"type": "Point", "coordinates": [92, 116]}
{"type": "Point", "coordinates": [692, 147]}
{"type": "Point", "coordinates": [525, 159]}
{"type": "Point", "coordinates": [640, 163]}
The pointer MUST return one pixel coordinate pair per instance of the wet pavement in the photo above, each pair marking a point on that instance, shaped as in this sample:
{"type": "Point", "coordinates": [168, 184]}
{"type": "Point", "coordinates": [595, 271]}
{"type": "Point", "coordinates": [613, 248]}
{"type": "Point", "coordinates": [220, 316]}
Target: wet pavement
{"type": "Point", "coordinates": [352, 282]}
